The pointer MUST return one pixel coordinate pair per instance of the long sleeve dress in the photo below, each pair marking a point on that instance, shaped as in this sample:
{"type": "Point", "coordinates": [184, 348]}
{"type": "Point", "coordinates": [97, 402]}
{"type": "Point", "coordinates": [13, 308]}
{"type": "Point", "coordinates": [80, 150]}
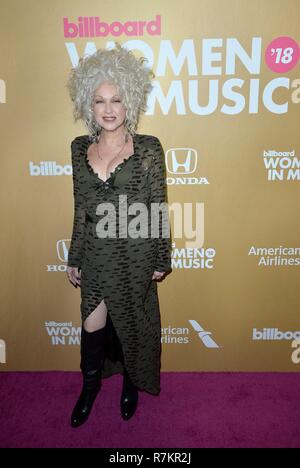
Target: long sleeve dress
{"type": "Point", "coordinates": [119, 269]}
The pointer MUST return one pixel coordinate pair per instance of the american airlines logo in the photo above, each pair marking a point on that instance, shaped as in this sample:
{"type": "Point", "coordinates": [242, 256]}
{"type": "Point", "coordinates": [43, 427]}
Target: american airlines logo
{"type": "Point", "coordinates": [204, 336]}
{"type": "Point", "coordinates": [182, 163]}
{"type": "Point", "coordinates": [181, 335]}
{"type": "Point", "coordinates": [278, 256]}
{"type": "Point", "coordinates": [62, 249]}
{"type": "Point", "coordinates": [49, 168]}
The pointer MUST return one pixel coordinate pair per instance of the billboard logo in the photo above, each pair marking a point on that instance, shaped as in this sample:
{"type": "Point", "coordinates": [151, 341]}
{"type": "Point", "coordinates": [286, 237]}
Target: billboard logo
{"type": "Point", "coordinates": [64, 334]}
{"type": "Point", "coordinates": [49, 168]}
{"type": "Point", "coordinates": [91, 26]}
{"type": "Point", "coordinates": [194, 257]}
{"type": "Point", "coordinates": [274, 334]}
{"type": "Point", "coordinates": [282, 165]}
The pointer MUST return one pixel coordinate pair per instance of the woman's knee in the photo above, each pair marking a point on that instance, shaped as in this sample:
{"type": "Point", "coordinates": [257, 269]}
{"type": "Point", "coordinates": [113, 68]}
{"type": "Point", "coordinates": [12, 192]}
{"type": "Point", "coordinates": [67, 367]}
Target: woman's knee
{"type": "Point", "coordinates": [97, 319]}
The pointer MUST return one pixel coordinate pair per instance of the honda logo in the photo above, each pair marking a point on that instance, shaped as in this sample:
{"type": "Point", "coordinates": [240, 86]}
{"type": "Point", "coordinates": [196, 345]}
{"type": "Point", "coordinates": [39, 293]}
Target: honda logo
{"type": "Point", "coordinates": [62, 249]}
{"type": "Point", "coordinates": [181, 160]}
{"type": "Point", "coordinates": [2, 352]}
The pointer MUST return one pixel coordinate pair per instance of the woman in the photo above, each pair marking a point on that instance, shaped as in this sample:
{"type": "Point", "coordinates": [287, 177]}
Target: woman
{"type": "Point", "coordinates": [114, 167]}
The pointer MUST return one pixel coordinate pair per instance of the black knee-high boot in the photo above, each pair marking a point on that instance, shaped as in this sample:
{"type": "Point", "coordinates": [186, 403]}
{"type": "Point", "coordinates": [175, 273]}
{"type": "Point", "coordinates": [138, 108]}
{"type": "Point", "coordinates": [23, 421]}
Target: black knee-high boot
{"type": "Point", "coordinates": [92, 351]}
{"type": "Point", "coordinates": [129, 396]}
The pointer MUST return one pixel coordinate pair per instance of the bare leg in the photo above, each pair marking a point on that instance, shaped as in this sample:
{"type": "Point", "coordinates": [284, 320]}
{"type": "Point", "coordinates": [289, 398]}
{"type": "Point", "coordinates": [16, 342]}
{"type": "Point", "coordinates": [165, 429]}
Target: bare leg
{"type": "Point", "coordinates": [97, 319]}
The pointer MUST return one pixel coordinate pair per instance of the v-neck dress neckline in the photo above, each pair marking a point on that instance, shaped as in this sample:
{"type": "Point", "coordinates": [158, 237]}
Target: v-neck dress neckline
{"type": "Point", "coordinates": [117, 168]}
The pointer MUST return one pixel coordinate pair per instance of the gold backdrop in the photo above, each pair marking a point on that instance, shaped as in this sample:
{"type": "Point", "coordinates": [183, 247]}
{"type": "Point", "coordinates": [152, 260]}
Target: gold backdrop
{"type": "Point", "coordinates": [227, 97]}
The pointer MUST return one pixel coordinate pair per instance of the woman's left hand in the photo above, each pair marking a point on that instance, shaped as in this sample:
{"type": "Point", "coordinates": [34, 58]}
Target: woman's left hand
{"type": "Point", "coordinates": [158, 275]}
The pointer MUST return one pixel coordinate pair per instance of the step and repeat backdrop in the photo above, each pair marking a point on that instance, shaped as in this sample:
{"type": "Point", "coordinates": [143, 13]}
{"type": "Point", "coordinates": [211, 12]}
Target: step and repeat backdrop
{"type": "Point", "coordinates": [225, 107]}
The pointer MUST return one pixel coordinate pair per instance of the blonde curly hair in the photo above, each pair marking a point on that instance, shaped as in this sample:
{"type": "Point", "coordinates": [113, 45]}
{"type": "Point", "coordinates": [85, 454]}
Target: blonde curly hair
{"type": "Point", "coordinates": [120, 67]}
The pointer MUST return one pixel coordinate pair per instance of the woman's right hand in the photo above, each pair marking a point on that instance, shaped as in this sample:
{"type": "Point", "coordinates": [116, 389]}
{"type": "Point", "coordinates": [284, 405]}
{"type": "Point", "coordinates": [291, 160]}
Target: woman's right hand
{"type": "Point", "coordinates": [74, 275]}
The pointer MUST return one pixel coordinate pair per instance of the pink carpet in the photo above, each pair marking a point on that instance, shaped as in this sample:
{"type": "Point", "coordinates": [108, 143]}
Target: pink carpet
{"type": "Point", "coordinates": [209, 409]}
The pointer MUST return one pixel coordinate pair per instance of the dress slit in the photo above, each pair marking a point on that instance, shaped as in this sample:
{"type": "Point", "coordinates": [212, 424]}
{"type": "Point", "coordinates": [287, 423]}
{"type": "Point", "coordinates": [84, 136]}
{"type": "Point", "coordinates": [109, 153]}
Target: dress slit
{"type": "Point", "coordinates": [113, 346]}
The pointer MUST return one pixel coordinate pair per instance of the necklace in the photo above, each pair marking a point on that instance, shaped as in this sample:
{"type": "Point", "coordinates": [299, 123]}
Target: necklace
{"type": "Point", "coordinates": [126, 140]}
